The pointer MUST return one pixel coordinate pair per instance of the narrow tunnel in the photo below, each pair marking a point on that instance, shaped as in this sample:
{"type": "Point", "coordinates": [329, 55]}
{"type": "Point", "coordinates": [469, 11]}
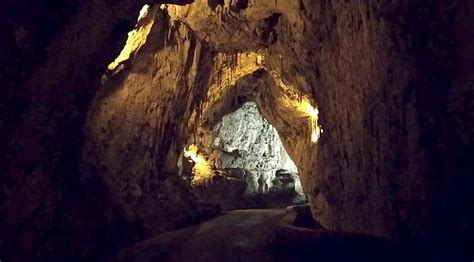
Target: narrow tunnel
{"type": "Point", "coordinates": [237, 130]}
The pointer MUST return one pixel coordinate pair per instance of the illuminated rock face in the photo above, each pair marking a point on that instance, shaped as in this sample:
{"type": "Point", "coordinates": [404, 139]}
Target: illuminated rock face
{"type": "Point", "coordinates": [245, 140]}
{"type": "Point", "coordinates": [132, 133]}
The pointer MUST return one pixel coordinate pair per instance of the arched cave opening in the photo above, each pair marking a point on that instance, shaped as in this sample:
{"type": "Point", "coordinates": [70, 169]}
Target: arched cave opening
{"type": "Point", "coordinates": [248, 166]}
{"type": "Point", "coordinates": [168, 87]}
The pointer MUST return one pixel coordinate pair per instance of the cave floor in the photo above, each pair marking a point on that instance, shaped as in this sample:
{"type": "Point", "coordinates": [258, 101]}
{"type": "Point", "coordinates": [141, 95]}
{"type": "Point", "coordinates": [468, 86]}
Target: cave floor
{"type": "Point", "coordinates": [262, 235]}
{"type": "Point", "coordinates": [239, 235]}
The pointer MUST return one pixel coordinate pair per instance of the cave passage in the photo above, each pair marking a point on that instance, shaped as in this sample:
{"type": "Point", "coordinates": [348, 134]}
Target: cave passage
{"type": "Point", "coordinates": [220, 105]}
{"type": "Point", "coordinates": [242, 163]}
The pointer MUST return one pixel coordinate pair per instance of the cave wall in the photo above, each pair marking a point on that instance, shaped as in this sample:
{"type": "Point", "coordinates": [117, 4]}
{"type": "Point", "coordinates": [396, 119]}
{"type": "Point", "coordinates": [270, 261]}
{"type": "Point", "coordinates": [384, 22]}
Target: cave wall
{"type": "Point", "coordinates": [149, 108]}
{"type": "Point", "coordinates": [389, 80]}
{"type": "Point", "coordinates": [364, 181]}
{"type": "Point", "coordinates": [135, 130]}
{"type": "Point", "coordinates": [392, 158]}
{"type": "Point", "coordinates": [244, 139]}
{"type": "Point", "coordinates": [53, 57]}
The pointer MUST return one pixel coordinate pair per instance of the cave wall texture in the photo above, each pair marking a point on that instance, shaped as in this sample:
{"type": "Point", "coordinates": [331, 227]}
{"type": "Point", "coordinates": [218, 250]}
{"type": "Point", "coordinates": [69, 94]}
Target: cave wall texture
{"type": "Point", "coordinates": [247, 153]}
{"type": "Point", "coordinates": [245, 139]}
{"type": "Point", "coordinates": [52, 62]}
{"type": "Point", "coordinates": [135, 130]}
{"type": "Point", "coordinates": [393, 103]}
{"type": "Point", "coordinates": [392, 80]}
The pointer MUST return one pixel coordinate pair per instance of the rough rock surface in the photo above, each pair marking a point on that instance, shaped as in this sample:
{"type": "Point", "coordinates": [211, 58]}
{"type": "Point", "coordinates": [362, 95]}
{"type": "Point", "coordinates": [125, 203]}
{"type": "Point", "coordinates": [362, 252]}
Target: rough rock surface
{"type": "Point", "coordinates": [53, 57]}
{"type": "Point", "coordinates": [230, 188]}
{"type": "Point", "coordinates": [393, 81]}
{"type": "Point", "coordinates": [249, 150]}
{"type": "Point", "coordinates": [390, 92]}
{"type": "Point", "coordinates": [390, 79]}
{"type": "Point", "coordinates": [132, 132]}
{"type": "Point", "coordinates": [245, 140]}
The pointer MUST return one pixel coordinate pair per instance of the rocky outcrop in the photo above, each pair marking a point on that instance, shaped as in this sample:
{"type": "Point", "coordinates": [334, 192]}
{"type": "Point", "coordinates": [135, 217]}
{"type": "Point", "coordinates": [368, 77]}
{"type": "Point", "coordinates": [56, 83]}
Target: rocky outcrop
{"type": "Point", "coordinates": [287, 185]}
{"type": "Point", "coordinates": [245, 140]}
{"type": "Point", "coordinates": [228, 190]}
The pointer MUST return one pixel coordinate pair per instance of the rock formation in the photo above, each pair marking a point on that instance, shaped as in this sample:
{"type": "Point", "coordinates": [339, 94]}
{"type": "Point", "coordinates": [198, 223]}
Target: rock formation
{"type": "Point", "coordinates": [244, 139]}
{"type": "Point", "coordinates": [244, 142]}
{"type": "Point", "coordinates": [89, 163]}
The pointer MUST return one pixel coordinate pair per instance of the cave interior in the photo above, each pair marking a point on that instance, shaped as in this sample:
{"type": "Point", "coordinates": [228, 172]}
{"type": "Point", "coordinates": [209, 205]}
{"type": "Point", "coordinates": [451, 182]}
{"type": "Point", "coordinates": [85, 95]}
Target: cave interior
{"type": "Point", "coordinates": [237, 130]}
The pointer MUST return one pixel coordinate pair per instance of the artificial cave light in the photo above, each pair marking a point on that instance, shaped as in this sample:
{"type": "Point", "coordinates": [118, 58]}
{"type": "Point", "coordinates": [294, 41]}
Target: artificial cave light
{"type": "Point", "coordinates": [315, 130]}
{"type": "Point", "coordinates": [192, 153]}
{"type": "Point", "coordinates": [202, 169]}
{"type": "Point", "coordinates": [306, 106]}
{"type": "Point", "coordinates": [313, 114]}
{"type": "Point", "coordinates": [136, 38]}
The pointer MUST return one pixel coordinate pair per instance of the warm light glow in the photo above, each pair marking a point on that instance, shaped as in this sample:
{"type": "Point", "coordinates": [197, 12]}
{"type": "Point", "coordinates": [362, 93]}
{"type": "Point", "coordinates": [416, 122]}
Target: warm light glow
{"type": "Point", "coordinates": [242, 64]}
{"type": "Point", "coordinates": [202, 169]}
{"type": "Point", "coordinates": [301, 104]}
{"type": "Point", "coordinates": [260, 60]}
{"type": "Point", "coordinates": [305, 106]}
{"type": "Point", "coordinates": [230, 68]}
{"type": "Point", "coordinates": [192, 153]}
{"type": "Point", "coordinates": [136, 38]}
{"type": "Point", "coordinates": [315, 130]}
{"type": "Point", "coordinates": [313, 113]}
